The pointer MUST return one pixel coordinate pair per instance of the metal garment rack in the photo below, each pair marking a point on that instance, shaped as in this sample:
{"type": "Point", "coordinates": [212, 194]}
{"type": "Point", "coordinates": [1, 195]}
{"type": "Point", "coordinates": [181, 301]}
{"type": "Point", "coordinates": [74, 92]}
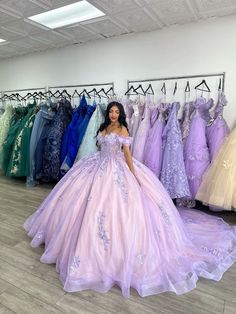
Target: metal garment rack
{"type": "Point", "coordinates": [82, 85]}
{"type": "Point", "coordinates": [222, 75]}
{"type": "Point", "coordinates": [22, 90]}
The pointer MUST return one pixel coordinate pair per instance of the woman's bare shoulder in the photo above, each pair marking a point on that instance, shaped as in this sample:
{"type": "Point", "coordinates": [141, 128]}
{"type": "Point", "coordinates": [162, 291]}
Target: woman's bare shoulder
{"type": "Point", "coordinates": [124, 131]}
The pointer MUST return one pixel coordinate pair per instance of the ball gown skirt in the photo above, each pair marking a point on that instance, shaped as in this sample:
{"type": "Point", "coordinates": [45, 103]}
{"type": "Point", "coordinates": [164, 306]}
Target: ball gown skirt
{"type": "Point", "coordinates": [103, 226]}
{"type": "Point", "coordinates": [218, 187]}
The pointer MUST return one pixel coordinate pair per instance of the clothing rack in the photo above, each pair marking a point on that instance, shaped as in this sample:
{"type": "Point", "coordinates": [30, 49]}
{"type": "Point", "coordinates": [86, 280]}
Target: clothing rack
{"type": "Point", "coordinates": [82, 85]}
{"type": "Point", "coordinates": [43, 89]}
{"type": "Point", "coordinates": [220, 75]}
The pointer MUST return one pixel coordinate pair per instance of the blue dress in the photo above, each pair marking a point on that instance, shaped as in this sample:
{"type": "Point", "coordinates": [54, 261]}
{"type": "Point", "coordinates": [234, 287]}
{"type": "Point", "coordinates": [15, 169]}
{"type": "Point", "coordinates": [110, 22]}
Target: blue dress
{"type": "Point", "coordinates": [40, 121]}
{"type": "Point", "coordinates": [51, 156]}
{"type": "Point", "coordinates": [77, 134]}
{"type": "Point", "coordinates": [88, 145]}
{"type": "Point", "coordinates": [70, 136]}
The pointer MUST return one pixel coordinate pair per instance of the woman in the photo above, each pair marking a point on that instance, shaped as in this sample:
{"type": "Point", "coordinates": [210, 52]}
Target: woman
{"type": "Point", "coordinates": [110, 221]}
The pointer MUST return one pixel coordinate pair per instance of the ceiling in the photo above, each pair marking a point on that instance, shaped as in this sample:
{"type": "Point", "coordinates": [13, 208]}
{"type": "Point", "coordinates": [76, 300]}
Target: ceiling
{"type": "Point", "coordinates": [122, 17]}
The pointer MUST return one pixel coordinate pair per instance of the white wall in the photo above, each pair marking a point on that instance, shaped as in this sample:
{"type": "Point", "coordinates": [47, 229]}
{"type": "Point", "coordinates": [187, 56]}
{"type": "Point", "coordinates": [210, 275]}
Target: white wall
{"type": "Point", "coordinates": [203, 47]}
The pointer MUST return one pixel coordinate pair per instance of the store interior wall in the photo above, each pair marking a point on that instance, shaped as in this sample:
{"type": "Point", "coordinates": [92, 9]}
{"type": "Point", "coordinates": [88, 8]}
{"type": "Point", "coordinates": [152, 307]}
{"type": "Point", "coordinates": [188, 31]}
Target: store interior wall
{"type": "Point", "coordinates": [198, 48]}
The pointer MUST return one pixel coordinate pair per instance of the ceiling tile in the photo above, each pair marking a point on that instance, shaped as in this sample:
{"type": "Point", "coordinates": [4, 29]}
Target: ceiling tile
{"type": "Point", "coordinates": [212, 8]}
{"type": "Point", "coordinates": [22, 27]}
{"type": "Point", "coordinates": [24, 8]}
{"type": "Point", "coordinates": [5, 18]}
{"type": "Point", "coordinates": [137, 20]}
{"type": "Point", "coordinates": [172, 11]}
{"type": "Point", "coordinates": [78, 34]}
{"type": "Point", "coordinates": [53, 4]}
{"type": "Point", "coordinates": [53, 38]}
{"type": "Point", "coordinates": [115, 6]}
{"type": "Point", "coordinates": [106, 28]}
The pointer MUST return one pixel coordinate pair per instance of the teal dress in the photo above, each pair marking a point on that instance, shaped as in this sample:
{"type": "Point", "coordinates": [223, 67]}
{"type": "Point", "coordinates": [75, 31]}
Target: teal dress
{"type": "Point", "coordinates": [20, 156]}
{"type": "Point", "coordinates": [5, 122]}
{"type": "Point", "coordinates": [8, 144]}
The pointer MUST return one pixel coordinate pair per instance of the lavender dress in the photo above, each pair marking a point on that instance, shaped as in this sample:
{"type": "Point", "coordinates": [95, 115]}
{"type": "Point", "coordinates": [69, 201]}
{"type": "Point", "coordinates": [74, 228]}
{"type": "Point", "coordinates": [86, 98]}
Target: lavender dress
{"type": "Point", "coordinates": [142, 134]}
{"type": "Point", "coordinates": [103, 227]}
{"type": "Point", "coordinates": [218, 130]}
{"type": "Point", "coordinates": [196, 153]}
{"type": "Point", "coordinates": [173, 175]}
{"type": "Point", "coordinates": [186, 120]}
{"type": "Point", "coordinates": [153, 148]}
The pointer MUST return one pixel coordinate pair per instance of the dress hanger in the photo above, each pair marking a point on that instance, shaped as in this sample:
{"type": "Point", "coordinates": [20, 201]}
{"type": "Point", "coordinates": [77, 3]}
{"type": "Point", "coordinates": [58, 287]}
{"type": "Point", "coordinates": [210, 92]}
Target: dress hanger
{"type": "Point", "coordinates": [203, 86]}
{"type": "Point", "coordinates": [149, 90]}
{"type": "Point", "coordinates": [131, 91]}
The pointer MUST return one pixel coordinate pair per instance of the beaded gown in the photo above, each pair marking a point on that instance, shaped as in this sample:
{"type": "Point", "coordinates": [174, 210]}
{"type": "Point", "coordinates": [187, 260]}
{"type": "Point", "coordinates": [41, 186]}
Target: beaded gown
{"type": "Point", "coordinates": [103, 226]}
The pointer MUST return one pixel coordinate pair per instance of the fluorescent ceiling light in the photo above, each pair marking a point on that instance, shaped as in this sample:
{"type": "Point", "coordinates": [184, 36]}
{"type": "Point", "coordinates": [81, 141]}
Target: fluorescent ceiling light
{"type": "Point", "coordinates": [69, 14]}
{"type": "Point", "coordinates": [2, 40]}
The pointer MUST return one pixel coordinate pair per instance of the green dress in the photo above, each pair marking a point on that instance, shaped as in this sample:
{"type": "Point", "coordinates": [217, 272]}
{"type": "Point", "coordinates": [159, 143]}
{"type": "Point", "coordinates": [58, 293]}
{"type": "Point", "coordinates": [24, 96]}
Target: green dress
{"type": "Point", "coordinates": [18, 116]}
{"type": "Point", "coordinates": [5, 122]}
{"type": "Point", "coordinates": [19, 162]}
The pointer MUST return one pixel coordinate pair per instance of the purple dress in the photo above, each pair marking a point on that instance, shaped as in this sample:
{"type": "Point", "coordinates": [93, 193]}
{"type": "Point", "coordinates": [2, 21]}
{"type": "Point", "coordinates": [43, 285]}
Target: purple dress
{"type": "Point", "coordinates": [186, 120]}
{"type": "Point", "coordinates": [218, 130]}
{"type": "Point", "coordinates": [173, 175]}
{"type": "Point", "coordinates": [196, 153]}
{"type": "Point", "coordinates": [101, 227]}
{"type": "Point", "coordinates": [142, 134]}
{"type": "Point", "coordinates": [153, 148]}
{"type": "Point", "coordinates": [127, 104]}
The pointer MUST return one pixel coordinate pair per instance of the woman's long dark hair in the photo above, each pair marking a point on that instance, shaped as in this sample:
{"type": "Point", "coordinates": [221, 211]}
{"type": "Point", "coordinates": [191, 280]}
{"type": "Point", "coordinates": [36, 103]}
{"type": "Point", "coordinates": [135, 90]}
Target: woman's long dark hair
{"type": "Point", "coordinates": [121, 119]}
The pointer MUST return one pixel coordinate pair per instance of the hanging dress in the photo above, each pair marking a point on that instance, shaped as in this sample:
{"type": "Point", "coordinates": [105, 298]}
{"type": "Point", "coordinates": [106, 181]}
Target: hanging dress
{"type": "Point", "coordinates": [197, 157]}
{"type": "Point", "coordinates": [173, 174]}
{"type": "Point", "coordinates": [218, 130]}
{"type": "Point", "coordinates": [52, 150]}
{"type": "Point", "coordinates": [40, 121]}
{"type": "Point", "coordinates": [153, 152]}
{"type": "Point", "coordinates": [20, 157]}
{"type": "Point", "coordinates": [218, 187]}
{"type": "Point", "coordinates": [76, 138]}
{"type": "Point", "coordinates": [5, 122]}
{"type": "Point", "coordinates": [8, 145]}
{"type": "Point", "coordinates": [142, 133]}
{"type": "Point", "coordinates": [88, 145]}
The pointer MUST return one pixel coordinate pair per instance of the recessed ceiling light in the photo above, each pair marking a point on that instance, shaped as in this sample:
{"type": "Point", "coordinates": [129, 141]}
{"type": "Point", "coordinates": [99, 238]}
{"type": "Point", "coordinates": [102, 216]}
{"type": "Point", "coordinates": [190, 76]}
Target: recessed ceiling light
{"type": "Point", "coordinates": [2, 40]}
{"type": "Point", "coordinates": [66, 15]}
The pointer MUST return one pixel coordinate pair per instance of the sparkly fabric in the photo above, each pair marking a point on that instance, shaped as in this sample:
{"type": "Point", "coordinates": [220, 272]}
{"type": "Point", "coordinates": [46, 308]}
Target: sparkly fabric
{"type": "Point", "coordinates": [186, 120]}
{"type": "Point", "coordinates": [173, 175]}
{"type": "Point", "coordinates": [103, 227]}
{"type": "Point", "coordinates": [52, 149]}
{"type": "Point", "coordinates": [73, 136]}
{"type": "Point", "coordinates": [153, 151]}
{"type": "Point", "coordinates": [20, 157]}
{"type": "Point", "coordinates": [5, 122]}
{"type": "Point", "coordinates": [218, 186]}
{"type": "Point", "coordinates": [196, 152]}
{"type": "Point", "coordinates": [218, 130]}
{"type": "Point", "coordinates": [17, 121]}
{"type": "Point", "coordinates": [142, 133]}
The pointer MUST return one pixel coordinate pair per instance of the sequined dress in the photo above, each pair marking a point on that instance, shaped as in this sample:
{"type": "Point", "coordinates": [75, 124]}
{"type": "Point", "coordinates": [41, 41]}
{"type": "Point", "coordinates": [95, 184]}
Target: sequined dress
{"type": "Point", "coordinates": [103, 226]}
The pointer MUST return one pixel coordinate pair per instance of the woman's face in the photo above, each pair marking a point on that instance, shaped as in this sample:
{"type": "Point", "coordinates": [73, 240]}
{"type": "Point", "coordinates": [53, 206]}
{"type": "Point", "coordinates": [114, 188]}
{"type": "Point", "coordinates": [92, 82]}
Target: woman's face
{"type": "Point", "coordinates": [114, 114]}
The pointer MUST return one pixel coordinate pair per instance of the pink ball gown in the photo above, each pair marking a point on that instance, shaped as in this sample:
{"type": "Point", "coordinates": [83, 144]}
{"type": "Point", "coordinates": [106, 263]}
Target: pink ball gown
{"type": "Point", "coordinates": [102, 226]}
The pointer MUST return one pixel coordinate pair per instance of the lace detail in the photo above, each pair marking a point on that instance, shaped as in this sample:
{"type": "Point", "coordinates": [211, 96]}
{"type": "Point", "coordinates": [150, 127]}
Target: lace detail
{"type": "Point", "coordinates": [101, 231]}
{"type": "Point", "coordinates": [74, 268]}
{"type": "Point", "coordinates": [120, 180]}
{"type": "Point", "coordinates": [173, 175]}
